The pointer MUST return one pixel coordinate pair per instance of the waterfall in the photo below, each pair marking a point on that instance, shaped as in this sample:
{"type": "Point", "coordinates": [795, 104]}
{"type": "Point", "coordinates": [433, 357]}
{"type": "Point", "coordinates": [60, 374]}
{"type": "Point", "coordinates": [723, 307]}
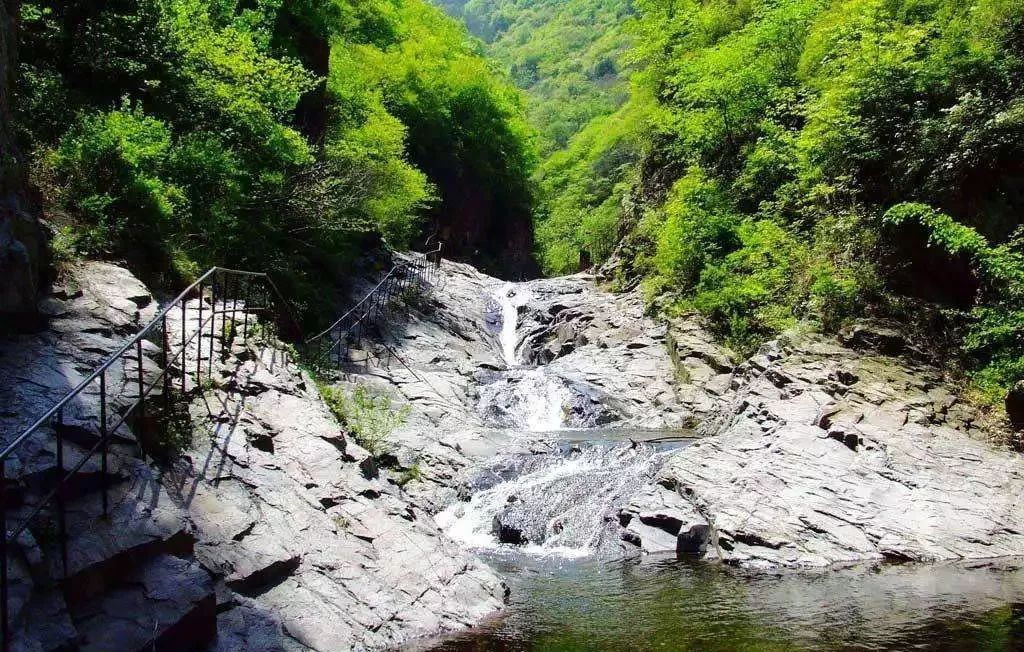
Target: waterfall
{"type": "Point", "coordinates": [510, 298]}
{"type": "Point", "coordinates": [563, 503]}
{"type": "Point", "coordinates": [529, 399]}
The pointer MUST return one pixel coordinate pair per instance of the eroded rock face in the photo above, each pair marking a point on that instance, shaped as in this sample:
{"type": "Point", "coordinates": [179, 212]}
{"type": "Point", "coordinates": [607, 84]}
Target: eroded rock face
{"type": "Point", "coordinates": [832, 455]}
{"type": "Point", "coordinates": [309, 549]}
{"type": "Point", "coordinates": [90, 312]}
{"type": "Point", "coordinates": [612, 365]}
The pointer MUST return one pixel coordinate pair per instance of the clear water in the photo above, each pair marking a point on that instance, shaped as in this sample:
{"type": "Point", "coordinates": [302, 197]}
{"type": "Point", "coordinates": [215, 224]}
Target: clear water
{"type": "Point", "coordinates": [567, 593]}
{"type": "Point", "coordinates": [669, 604]}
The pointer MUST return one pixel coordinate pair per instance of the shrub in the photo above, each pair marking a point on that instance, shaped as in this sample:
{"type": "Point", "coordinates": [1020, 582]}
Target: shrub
{"type": "Point", "coordinates": [369, 416]}
{"type": "Point", "coordinates": [112, 168]}
{"type": "Point", "coordinates": [995, 336]}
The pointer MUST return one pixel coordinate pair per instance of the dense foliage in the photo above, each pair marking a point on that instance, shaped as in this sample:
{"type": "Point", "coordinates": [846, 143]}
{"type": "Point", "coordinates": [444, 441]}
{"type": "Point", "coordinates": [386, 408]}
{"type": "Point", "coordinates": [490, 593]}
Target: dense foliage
{"type": "Point", "coordinates": [813, 160]}
{"type": "Point", "coordinates": [272, 134]}
{"type": "Point", "coordinates": [567, 55]}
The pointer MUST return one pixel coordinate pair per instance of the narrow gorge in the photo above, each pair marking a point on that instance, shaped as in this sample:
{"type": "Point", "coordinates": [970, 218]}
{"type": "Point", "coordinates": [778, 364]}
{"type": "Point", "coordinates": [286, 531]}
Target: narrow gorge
{"type": "Point", "coordinates": [565, 471]}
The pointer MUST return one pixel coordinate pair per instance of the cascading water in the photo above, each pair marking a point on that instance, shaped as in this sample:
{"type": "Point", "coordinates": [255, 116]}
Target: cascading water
{"type": "Point", "coordinates": [553, 503]}
{"type": "Point", "coordinates": [523, 399]}
{"type": "Point", "coordinates": [510, 298]}
{"type": "Point", "coordinates": [531, 400]}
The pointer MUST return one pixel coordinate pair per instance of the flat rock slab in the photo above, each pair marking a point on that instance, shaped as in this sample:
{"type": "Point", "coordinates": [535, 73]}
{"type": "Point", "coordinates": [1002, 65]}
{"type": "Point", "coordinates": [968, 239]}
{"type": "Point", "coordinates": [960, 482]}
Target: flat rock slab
{"type": "Point", "coordinates": [166, 604]}
{"type": "Point", "coordinates": [314, 551]}
{"type": "Point", "coordinates": [834, 456]}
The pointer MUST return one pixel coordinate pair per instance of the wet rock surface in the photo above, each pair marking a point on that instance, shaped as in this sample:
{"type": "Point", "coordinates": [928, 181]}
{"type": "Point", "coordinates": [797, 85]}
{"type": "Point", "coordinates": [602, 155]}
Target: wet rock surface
{"type": "Point", "coordinates": [556, 499]}
{"type": "Point", "coordinates": [605, 342]}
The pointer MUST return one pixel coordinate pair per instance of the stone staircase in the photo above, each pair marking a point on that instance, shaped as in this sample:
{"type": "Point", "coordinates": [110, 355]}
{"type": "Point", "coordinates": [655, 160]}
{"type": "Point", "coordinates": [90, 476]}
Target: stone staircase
{"type": "Point", "coordinates": [123, 578]}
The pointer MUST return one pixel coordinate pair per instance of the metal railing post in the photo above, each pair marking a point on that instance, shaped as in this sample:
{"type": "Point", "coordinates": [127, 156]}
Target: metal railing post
{"type": "Point", "coordinates": [103, 439]}
{"type": "Point", "coordinates": [245, 313]}
{"type": "Point", "coordinates": [142, 390]}
{"type": "Point", "coordinates": [213, 320]}
{"type": "Point", "coordinates": [5, 632]}
{"type": "Point", "coordinates": [166, 359]}
{"type": "Point", "coordinates": [234, 309]}
{"type": "Point", "coordinates": [61, 522]}
{"type": "Point", "coordinates": [184, 345]}
{"type": "Point", "coordinates": [199, 337]}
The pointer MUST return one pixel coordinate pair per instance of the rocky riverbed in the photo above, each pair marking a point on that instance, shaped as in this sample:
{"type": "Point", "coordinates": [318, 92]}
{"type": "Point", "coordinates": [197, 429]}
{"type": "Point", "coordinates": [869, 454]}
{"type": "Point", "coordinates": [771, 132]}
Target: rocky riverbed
{"type": "Point", "coordinates": [814, 451]}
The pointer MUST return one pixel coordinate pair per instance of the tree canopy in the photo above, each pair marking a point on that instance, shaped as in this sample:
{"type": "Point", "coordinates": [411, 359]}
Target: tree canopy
{"type": "Point", "coordinates": [276, 134]}
{"type": "Point", "coordinates": [811, 160]}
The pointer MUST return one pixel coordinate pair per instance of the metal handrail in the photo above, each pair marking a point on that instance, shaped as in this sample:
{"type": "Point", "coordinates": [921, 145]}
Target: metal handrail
{"type": "Point", "coordinates": [402, 265]}
{"type": "Point", "coordinates": [420, 268]}
{"type": "Point", "coordinates": [156, 326]}
{"type": "Point", "coordinates": [52, 412]}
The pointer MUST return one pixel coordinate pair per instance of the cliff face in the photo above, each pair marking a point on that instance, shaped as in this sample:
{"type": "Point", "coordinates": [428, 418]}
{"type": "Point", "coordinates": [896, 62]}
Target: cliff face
{"type": "Point", "coordinates": [20, 237]}
{"type": "Point", "coordinates": [477, 230]}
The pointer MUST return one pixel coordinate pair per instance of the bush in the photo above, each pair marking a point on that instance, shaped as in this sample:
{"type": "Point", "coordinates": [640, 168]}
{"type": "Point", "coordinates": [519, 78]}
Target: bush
{"type": "Point", "coordinates": [112, 167]}
{"type": "Point", "coordinates": [995, 335]}
{"type": "Point", "coordinates": [368, 415]}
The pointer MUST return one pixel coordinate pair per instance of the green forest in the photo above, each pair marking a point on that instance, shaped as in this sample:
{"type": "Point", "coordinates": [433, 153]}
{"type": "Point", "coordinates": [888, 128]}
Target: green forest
{"type": "Point", "coordinates": [764, 163]}
{"type": "Point", "coordinates": [269, 134]}
{"type": "Point", "coordinates": [807, 162]}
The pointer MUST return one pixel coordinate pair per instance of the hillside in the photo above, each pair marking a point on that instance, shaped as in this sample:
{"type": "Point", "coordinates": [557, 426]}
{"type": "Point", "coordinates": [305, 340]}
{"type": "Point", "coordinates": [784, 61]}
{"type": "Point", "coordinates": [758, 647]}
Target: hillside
{"type": "Point", "coordinates": [568, 57]}
{"type": "Point", "coordinates": [811, 162]}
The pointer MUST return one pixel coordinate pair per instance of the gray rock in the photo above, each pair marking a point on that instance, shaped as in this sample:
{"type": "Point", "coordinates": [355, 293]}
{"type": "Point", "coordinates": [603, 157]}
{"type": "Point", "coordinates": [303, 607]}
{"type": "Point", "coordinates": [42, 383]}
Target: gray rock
{"type": "Point", "coordinates": [320, 554]}
{"type": "Point", "coordinates": [811, 472]}
{"type": "Point", "coordinates": [658, 519]}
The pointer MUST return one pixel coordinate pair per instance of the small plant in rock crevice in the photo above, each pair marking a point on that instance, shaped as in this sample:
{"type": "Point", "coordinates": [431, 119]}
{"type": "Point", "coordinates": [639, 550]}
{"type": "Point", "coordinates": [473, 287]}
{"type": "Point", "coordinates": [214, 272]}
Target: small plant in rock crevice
{"type": "Point", "coordinates": [368, 415]}
{"type": "Point", "coordinates": [229, 330]}
{"type": "Point", "coordinates": [411, 474]}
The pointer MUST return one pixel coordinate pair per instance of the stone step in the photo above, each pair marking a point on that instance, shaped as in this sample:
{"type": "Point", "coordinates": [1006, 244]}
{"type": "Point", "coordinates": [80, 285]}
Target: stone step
{"type": "Point", "coordinates": [166, 604]}
{"type": "Point", "coordinates": [142, 522]}
{"type": "Point", "coordinates": [44, 625]}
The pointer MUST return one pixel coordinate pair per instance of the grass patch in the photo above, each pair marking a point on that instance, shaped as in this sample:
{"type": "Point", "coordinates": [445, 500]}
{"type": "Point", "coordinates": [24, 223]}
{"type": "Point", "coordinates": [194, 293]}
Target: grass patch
{"type": "Point", "coordinates": [369, 415]}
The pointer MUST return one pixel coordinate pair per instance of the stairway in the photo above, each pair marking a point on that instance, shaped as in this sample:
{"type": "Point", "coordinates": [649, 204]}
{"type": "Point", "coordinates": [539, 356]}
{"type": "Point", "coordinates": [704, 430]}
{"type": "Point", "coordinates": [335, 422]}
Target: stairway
{"type": "Point", "coordinates": [123, 578]}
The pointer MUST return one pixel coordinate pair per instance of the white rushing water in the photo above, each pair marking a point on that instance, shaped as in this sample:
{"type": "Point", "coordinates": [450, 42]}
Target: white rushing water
{"type": "Point", "coordinates": [511, 298]}
{"type": "Point", "coordinates": [553, 504]}
{"type": "Point", "coordinates": [530, 399]}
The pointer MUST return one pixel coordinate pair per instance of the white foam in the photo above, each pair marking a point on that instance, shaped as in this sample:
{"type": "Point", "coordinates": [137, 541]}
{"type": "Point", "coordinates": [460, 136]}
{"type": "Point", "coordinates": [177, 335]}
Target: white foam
{"type": "Point", "coordinates": [511, 297]}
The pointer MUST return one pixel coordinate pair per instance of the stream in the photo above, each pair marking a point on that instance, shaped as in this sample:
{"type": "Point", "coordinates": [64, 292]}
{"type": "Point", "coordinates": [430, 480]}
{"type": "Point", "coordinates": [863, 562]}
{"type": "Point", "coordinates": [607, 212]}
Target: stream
{"type": "Point", "coordinates": [543, 515]}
